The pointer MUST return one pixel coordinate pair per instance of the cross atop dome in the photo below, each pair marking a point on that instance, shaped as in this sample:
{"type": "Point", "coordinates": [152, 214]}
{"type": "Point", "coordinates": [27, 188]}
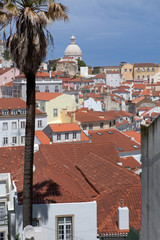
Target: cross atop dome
{"type": "Point", "coordinates": [73, 50]}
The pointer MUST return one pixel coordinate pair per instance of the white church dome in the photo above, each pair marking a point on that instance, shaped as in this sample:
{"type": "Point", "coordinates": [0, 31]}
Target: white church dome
{"type": "Point", "coordinates": [73, 50]}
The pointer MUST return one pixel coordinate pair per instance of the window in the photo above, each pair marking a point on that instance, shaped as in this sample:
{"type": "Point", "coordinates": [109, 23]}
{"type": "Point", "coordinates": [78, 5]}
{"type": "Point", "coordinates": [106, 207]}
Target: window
{"type": "Point", "coordinates": [152, 68]}
{"type": "Point", "coordinates": [138, 69]}
{"type": "Point", "coordinates": [130, 69]}
{"type": "Point", "coordinates": [138, 77]}
{"type": "Point", "coordinates": [23, 124]}
{"type": "Point", "coordinates": [58, 137]}
{"type": "Point", "coordinates": [148, 69]}
{"type": "Point", "coordinates": [56, 89]}
{"type": "Point", "coordinates": [14, 125]}
{"type": "Point", "coordinates": [5, 140]}
{"type": "Point", "coordinates": [84, 127]}
{"type": "Point", "coordinates": [143, 69]}
{"type": "Point", "coordinates": [2, 213]}
{"type": "Point", "coordinates": [2, 236]}
{"type": "Point", "coordinates": [66, 136]}
{"type": "Point", "coordinates": [5, 126]}
{"type": "Point", "coordinates": [39, 123]}
{"type": "Point", "coordinates": [22, 139]}
{"type": "Point", "coordinates": [35, 222]}
{"type": "Point", "coordinates": [5, 112]}
{"type": "Point", "coordinates": [14, 140]}
{"type": "Point", "coordinates": [126, 70]}
{"type": "Point", "coordinates": [90, 126]}
{"type": "Point", "coordinates": [74, 135]}
{"type": "Point", "coordinates": [23, 111]}
{"type": "Point", "coordinates": [64, 228]}
{"type": "Point", "coordinates": [143, 76]}
{"type": "Point", "coordinates": [101, 125]}
{"type": "Point", "coordinates": [37, 89]}
{"type": "Point", "coordinates": [46, 89]}
{"type": "Point", "coordinates": [55, 112]}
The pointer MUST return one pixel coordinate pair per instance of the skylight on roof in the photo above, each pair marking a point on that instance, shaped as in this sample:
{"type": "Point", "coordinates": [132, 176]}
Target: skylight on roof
{"type": "Point", "coordinates": [135, 146]}
{"type": "Point", "coordinates": [120, 149]}
{"type": "Point", "coordinates": [99, 133]}
{"type": "Point", "coordinates": [109, 132]}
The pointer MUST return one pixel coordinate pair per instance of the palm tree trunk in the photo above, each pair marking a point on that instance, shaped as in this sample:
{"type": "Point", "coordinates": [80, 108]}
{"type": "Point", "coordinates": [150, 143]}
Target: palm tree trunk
{"type": "Point", "coordinates": [29, 150]}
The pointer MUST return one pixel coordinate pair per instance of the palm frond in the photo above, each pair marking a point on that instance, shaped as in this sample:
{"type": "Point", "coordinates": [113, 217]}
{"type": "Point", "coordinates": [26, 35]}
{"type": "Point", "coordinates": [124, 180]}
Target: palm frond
{"type": "Point", "coordinates": [11, 8]}
{"type": "Point", "coordinates": [56, 12]}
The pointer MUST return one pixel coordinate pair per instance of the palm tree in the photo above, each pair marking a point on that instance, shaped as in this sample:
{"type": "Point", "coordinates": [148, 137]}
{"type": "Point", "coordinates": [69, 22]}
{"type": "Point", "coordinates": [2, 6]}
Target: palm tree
{"type": "Point", "coordinates": [28, 45]}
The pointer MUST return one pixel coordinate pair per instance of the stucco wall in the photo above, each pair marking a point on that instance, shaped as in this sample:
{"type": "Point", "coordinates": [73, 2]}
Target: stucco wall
{"type": "Point", "coordinates": [84, 216]}
{"type": "Point", "coordinates": [150, 221]}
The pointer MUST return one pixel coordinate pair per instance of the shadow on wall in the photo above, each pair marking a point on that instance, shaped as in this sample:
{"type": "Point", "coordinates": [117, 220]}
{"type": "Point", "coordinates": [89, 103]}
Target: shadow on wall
{"type": "Point", "coordinates": [43, 193]}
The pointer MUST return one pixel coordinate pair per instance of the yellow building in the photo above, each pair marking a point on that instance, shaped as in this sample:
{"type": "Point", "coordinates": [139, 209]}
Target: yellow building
{"type": "Point", "coordinates": [53, 104]}
{"type": "Point", "coordinates": [105, 69]}
{"type": "Point", "coordinates": [127, 71]}
{"type": "Point", "coordinates": [143, 71]}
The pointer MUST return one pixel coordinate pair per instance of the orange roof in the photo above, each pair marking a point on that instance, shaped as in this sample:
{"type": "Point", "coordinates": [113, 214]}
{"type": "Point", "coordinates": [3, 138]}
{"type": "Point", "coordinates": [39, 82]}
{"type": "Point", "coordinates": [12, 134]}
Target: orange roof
{"type": "Point", "coordinates": [9, 84]}
{"type": "Point", "coordinates": [45, 96]}
{"type": "Point", "coordinates": [145, 65]}
{"type": "Point", "coordinates": [65, 127]}
{"type": "Point", "coordinates": [122, 141]}
{"type": "Point", "coordinates": [139, 85]}
{"type": "Point", "coordinates": [100, 76]}
{"type": "Point", "coordinates": [134, 134]}
{"type": "Point", "coordinates": [42, 137]}
{"type": "Point", "coordinates": [81, 182]}
{"type": "Point", "coordinates": [130, 162]}
{"type": "Point", "coordinates": [136, 100]}
{"type": "Point", "coordinates": [12, 103]}
{"type": "Point", "coordinates": [4, 70]}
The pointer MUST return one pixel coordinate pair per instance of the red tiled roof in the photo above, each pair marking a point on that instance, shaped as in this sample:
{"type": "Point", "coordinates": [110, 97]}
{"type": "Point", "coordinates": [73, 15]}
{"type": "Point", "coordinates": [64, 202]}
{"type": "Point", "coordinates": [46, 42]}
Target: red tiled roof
{"type": "Point", "coordinates": [4, 70]}
{"type": "Point", "coordinates": [100, 76]}
{"type": "Point", "coordinates": [65, 127]}
{"type": "Point", "coordinates": [9, 84]}
{"type": "Point", "coordinates": [84, 116]}
{"type": "Point", "coordinates": [45, 96]}
{"type": "Point", "coordinates": [12, 103]}
{"type": "Point", "coordinates": [145, 65]}
{"type": "Point", "coordinates": [121, 123]}
{"type": "Point", "coordinates": [81, 182]}
{"type": "Point", "coordinates": [146, 92]}
{"type": "Point", "coordinates": [121, 90]}
{"type": "Point", "coordinates": [42, 137]}
{"type": "Point", "coordinates": [139, 86]}
{"type": "Point", "coordinates": [123, 142]}
{"type": "Point", "coordinates": [130, 162]}
{"type": "Point", "coordinates": [139, 99]}
{"type": "Point", "coordinates": [134, 134]}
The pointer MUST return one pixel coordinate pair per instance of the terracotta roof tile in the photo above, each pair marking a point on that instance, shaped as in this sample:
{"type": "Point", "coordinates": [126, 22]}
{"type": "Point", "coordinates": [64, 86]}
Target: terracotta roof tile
{"type": "Point", "coordinates": [139, 99]}
{"type": "Point", "coordinates": [42, 137]}
{"type": "Point", "coordinates": [123, 142]}
{"type": "Point", "coordinates": [130, 162]}
{"type": "Point", "coordinates": [145, 65]}
{"type": "Point", "coordinates": [65, 127]}
{"type": "Point", "coordinates": [78, 164]}
{"type": "Point", "coordinates": [45, 96]}
{"type": "Point", "coordinates": [134, 134]}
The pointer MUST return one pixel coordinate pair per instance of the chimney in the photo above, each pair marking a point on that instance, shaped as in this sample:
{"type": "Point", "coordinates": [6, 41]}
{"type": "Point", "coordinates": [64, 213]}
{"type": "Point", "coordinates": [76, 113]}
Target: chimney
{"type": "Point", "coordinates": [123, 218]}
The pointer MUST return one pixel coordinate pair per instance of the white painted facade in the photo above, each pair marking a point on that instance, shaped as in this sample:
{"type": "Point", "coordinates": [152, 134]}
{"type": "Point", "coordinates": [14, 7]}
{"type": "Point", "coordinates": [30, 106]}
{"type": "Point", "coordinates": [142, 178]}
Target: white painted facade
{"type": "Point", "coordinates": [42, 85]}
{"type": "Point", "coordinates": [113, 79]}
{"type": "Point", "coordinates": [90, 103]}
{"type": "Point", "coordinates": [12, 128]}
{"type": "Point", "coordinates": [154, 78]}
{"type": "Point", "coordinates": [83, 215]}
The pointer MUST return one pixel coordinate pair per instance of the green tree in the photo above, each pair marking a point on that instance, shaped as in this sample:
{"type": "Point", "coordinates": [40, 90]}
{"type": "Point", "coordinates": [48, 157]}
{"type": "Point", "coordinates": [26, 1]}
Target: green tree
{"type": "Point", "coordinates": [28, 46]}
{"type": "Point", "coordinates": [6, 55]}
{"type": "Point", "coordinates": [80, 64]}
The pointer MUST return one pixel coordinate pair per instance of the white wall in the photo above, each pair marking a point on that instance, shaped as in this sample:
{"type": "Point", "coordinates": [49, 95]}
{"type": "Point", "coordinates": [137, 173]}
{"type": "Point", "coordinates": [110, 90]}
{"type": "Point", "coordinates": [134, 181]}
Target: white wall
{"type": "Point", "coordinates": [84, 217]}
{"type": "Point", "coordinates": [92, 104]}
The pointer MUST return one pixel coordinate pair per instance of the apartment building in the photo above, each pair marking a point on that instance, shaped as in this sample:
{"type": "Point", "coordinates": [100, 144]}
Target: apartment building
{"type": "Point", "coordinates": [45, 82]}
{"type": "Point", "coordinates": [144, 71]}
{"type": "Point", "coordinates": [13, 121]}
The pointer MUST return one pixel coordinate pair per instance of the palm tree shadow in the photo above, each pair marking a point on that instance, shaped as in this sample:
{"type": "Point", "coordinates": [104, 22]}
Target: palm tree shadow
{"type": "Point", "coordinates": [44, 193]}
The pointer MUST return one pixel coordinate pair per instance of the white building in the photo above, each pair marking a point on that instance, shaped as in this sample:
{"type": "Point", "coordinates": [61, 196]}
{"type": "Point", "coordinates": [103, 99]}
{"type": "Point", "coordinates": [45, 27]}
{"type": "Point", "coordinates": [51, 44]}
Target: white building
{"type": "Point", "coordinates": [90, 103]}
{"type": "Point", "coordinates": [113, 79]}
{"type": "Point", "coordinates": [62, 221]}
{"type": "Point", "coordinates": [73, 50]}
{"type": "Point", "coordinates": [13, 121]}
{"type": "Point", "coordinates": [44, 83]}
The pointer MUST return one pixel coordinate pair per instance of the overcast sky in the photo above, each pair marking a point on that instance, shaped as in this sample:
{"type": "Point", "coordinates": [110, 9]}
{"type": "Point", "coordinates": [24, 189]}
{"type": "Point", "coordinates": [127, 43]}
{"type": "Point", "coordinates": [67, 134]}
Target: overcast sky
{"type": "Point", "coordinates": [110, 31]}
